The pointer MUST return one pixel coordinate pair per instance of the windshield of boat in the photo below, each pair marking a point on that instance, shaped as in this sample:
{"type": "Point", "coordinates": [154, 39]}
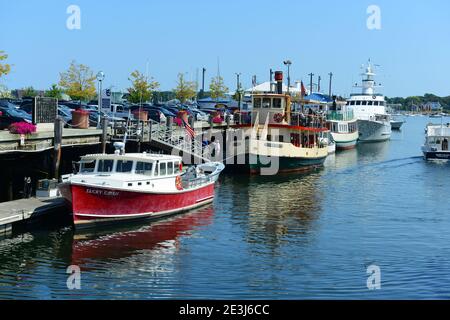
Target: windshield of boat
{"type": "Point", "coordinates": [144, 168]}
{"type": "Point", "coordinates": [105, 165]}
{"type": "Point", "coordinates": [87, 166]}
{"type": "Point", "coordinates": [124, 166]}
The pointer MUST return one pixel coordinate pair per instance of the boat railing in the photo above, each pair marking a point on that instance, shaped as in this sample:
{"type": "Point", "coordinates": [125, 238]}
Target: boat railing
{"type": "Point", "coordinates": [299, 119]}
{"type": "Point", "coordinates": [193, 182]}
{"type": "Point", "coordinates": [340, 115]}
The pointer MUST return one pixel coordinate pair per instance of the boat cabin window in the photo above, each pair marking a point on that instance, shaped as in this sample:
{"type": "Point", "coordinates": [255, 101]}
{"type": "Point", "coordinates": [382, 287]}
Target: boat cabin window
{"type": "Point", "coordinates": [162, 169]}
{"type": "Point", "coordinates": [370, 103]}
{"type": "Point", "coordinates": [105, 165]}
{"type": "Point", "coordinates": [87, 166]}
{"type": "Point", "coordinates": [124, 166]}
{"type": "Point", "coordinates": [144, 168]}
{"type": "Point", "coordinates": [364, 103]}
{"type": "Point", "coordinates": [266, 103]}
{"type": "Point", "coordinates": [257, 103]}
{"type": "Point", "coordinates": [169, 167]}
{"type": "Point", "coordinates": [352, 103]}
{"type": "Point", "coordinates": [358, 103]}
{"type": "Point", "coordinates": [276, 103]}
{"type": "Point", "coordinates": [177, 167]}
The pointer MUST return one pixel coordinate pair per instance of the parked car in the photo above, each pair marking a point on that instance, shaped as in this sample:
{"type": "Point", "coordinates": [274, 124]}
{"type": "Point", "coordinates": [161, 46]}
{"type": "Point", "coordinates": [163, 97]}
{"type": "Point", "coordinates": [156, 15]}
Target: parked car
{"type": "Point", "coordinates": [10, 115]}
{"type": "Point", "coordinates": [93, 118]}
{"type": "Point", "coordinates": [65, 113]}
{"type": "Point", "coordinates": [152, 111]}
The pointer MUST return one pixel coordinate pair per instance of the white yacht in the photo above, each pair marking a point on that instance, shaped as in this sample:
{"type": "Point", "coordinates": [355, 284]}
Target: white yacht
{"type": "Point", "coordinates": [436, 142]}
{"type": "Point", "coordinates": [374, 123]}
{"type": "Point", "coordinates": [343, 125]}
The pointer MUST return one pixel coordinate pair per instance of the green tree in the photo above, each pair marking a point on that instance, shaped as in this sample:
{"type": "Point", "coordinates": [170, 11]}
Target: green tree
{"type": "Point", "coordinates": [217, 88]}
{"type": "Point", "coordinates": [4, 67]}
{"type": "Point", "coordinates": [54, 92]}
{"type": "Point", "coordinates": [4, 92]}
{"type": "Point", "coordinates": [141, 89]}
{"type": "Point", "coordinates": [185, 90]}
{"type": "Point", "coordinates": [78, 82]}
{"type": "Point", "coordinates": [29, 92]}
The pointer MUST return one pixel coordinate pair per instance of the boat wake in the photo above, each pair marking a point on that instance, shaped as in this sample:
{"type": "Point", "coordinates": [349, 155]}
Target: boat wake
{"type": "Point", "coordinates": [381, 166]}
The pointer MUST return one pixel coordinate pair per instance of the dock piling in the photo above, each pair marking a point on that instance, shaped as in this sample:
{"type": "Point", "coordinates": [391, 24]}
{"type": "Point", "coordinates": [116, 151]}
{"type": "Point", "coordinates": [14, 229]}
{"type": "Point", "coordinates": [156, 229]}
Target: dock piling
{"type": "Point", "coordinates": [58, 133]}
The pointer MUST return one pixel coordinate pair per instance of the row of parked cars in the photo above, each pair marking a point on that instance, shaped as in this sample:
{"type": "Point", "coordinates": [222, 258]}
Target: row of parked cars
{"type": "Point", "coordinates": [12, 111]}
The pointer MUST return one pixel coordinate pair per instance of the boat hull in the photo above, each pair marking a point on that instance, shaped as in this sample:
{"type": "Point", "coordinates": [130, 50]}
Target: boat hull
{"type": "Point", "coordinates": [345, 141]}
{"type": "Point", "coordinates": [436, 155]}
{"type": "Point", "coordinates": [93, 204]}
{"type": "Point", "coordinates": [284, 164]}
{"type": "Point", "coordinates": [374, 131]}
{"type": "Point", "coordinates": [396, 125]}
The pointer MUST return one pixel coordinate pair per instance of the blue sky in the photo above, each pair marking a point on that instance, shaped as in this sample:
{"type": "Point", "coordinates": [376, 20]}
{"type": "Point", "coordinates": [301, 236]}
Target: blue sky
{"type": "Point", "coordinates": [248, 36]}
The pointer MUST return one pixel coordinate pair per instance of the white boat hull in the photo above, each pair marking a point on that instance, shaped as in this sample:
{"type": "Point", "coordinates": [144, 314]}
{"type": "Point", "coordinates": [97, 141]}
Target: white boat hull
{"type": "Point", "coordinates": [345, 141]}
{"type": "Point", "coordinates": [374, 131]}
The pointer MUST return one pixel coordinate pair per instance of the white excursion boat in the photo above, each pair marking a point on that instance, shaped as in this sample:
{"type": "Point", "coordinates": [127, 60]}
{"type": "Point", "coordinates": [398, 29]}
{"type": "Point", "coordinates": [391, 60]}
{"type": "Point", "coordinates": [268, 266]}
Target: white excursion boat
{"type": "Point", "coordinates": [436, 142]}
{"type": "Point", "coordinates": [119, 186]}
{"type": "Point", "coordinates": [343, 126]}
{"type": "Point", "coordinates": [374, 123]}
{"type": "Point", "coordinates": [276, 139]}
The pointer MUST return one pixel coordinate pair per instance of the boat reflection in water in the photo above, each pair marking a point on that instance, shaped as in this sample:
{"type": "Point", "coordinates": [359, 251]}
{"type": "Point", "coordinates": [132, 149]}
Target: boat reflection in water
{"type": "Point", "coordinates": [280, 208]}
{"type": "Point", "coordinates": [112, 244]}
{"type": "Point", "coordinates": [342, 160]}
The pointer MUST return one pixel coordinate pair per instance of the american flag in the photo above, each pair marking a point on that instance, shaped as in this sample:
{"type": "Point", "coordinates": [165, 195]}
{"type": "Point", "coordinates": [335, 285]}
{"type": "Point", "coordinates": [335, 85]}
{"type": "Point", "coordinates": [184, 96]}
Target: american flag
{"type": "Point", "coordinates": [303, 92]}
{"type": "Point", "coordinates": [189, 129]}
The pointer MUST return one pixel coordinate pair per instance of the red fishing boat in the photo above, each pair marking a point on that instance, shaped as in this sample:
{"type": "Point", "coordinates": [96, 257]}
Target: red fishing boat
{"type": "Point", "coordinates": [115, 187]}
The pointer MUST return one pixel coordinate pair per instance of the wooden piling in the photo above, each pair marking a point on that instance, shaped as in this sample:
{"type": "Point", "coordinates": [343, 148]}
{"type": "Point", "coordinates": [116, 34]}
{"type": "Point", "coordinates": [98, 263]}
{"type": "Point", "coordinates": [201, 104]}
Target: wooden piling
{"type": "Point", "coordinates": [57, 142]}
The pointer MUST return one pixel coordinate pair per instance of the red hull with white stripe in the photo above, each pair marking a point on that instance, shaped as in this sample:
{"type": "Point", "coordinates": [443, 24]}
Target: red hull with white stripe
{"type": "Point", "coordinates": [97, 204]}
{"type": "Point", "coordinates": [119, 186]}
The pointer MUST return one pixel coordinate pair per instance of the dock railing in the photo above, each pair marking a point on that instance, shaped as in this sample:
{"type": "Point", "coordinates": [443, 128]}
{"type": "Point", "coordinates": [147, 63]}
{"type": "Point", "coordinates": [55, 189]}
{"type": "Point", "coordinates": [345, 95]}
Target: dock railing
{"type": "Point", "coordinates": [166, 133]}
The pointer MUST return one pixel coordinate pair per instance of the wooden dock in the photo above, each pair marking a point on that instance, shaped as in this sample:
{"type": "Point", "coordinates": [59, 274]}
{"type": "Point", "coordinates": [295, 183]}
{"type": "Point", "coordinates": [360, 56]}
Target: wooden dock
{"type": "Point", "coordinates": [11, 143]}
{"type": "Point", "coordinates": [26, 209]}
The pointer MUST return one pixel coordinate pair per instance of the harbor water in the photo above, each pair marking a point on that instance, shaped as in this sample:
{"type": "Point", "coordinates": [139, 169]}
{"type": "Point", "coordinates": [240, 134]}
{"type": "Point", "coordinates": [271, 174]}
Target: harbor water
{"type": "Point", "coordinates": [293, 236]}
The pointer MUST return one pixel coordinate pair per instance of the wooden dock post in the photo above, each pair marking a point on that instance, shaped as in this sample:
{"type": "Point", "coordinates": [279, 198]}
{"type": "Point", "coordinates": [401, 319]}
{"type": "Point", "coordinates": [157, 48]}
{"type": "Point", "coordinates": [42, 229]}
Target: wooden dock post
{"type": "Point", "coordinates": [58, 133]}
{"type": "Point", "coordinates": [104, 133]}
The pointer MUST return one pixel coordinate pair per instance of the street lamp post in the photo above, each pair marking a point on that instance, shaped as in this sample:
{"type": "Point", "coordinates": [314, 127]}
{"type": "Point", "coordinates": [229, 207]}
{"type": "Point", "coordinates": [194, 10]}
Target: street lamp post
{"type": "Point", "coordinates": [203, 83]}
{"type": "Point", "coordinates": [100, 78]}
{"type": "Point", "coordinates": [288, 64]}
{"type": "Point", "coordinates": [329, 88]}
{"type": "Point", "coordinates": [311, 83]}
{"type": "Point", "coordinates": [238, 89]}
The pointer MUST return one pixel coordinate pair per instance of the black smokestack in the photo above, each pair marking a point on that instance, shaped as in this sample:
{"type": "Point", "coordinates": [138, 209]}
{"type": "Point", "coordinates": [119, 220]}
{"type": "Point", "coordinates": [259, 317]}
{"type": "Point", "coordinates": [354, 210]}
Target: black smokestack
{"type": "Point", "coordinates": [279, 80]}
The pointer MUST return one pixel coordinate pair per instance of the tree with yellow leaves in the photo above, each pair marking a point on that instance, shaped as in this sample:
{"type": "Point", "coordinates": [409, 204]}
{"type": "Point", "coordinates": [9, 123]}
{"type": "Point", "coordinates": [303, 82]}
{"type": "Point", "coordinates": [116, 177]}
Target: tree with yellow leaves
{"type": "Point", "coordinates": [141, 89]}
{"type": "Point", "coordinates": [185, 90]}
{"type": "Point", "coordinates": [217, 88]}
{"type": "Point", "coordinates": [4, 68]}
{"type": "Point", "coordinates": [78, 82]}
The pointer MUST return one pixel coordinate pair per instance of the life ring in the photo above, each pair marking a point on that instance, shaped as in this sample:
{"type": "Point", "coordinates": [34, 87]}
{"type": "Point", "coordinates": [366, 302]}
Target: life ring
{"type": "Point", "coordinates": [374, 97]}
{"type": "Point", "coordinates": [278, 117]}
{"type": "Point", "coordinates": [178, 183]}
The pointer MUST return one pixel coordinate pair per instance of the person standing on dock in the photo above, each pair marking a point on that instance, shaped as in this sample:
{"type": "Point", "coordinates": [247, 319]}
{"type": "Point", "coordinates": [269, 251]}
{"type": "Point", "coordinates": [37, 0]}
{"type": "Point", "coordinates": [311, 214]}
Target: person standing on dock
{"type": "Point", "coordinates": [215, 147]}
{"type": "Point", "coordinates": [27, 187]}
